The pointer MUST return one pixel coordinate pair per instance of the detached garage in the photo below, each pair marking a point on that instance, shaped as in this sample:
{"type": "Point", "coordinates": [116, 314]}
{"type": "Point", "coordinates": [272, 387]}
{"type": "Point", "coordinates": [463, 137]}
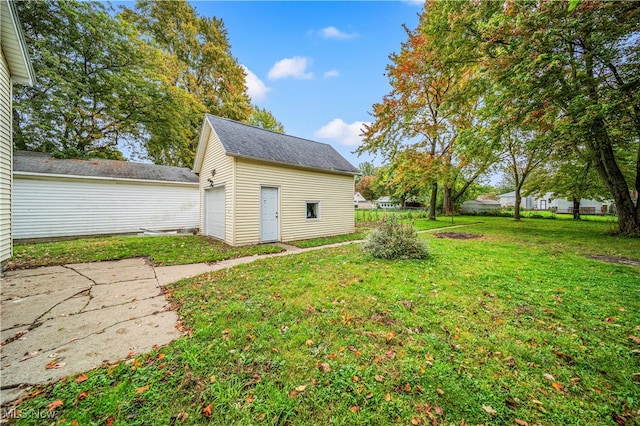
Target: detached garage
{"type": "Point", "coordinates": [68, 197]}
{"type": "Point", "coordinates": [258, 186]}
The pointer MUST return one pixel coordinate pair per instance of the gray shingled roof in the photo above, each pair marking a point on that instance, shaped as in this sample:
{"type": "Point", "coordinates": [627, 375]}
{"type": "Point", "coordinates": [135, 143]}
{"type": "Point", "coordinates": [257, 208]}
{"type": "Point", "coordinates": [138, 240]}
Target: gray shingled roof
{"type": "Point", "coordinates": [38, 162]}
{"type": "Point", "coordinates": [243, 140]}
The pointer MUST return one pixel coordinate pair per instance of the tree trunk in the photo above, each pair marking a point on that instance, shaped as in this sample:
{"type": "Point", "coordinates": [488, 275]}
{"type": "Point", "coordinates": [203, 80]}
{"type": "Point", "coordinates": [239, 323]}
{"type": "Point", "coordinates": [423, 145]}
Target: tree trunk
{"type": "Point", "coordinates": [447, 205]}
{"type": "Point", "coordinates": [516, 213]}
{"type": "Point", "coordinates": [576, 208]}
{"type": "Point", "coordinates": [433, 201]}
{"type": "Point", "coordinates": [608, 170]}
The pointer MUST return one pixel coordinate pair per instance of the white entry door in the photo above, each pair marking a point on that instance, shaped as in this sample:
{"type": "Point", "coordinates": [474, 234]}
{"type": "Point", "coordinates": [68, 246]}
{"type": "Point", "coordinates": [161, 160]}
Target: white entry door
{"type": "Point", "coordinates": [269, 217]}
{"type": "Point", "coordinates": [214, 212]}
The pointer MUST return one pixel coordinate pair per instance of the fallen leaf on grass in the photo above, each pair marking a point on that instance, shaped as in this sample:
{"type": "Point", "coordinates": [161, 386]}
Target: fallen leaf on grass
{"type": "Point", "coordinates": [635, 339]}
{"type": "Point", "coordinates": [378, 378]}
{"type": "Point", "coordinates": [55, 404]}
{"type": "Point", "coordinates": [387, 397]}
{"type": "Point", "coordinates": [81, 378]}
{"type": "Point", "coordinates": [297, 390]}
{"type": "Point", "coordinates": [206, 411]}
{"type": "Point", "coordinates": [557, 386]}
{"type": "Point", "coordinates": [354, 408]}
{"type": "Point", "coordinates": [324, 367]}
{"type": "Point", "coordinates": [549, 377]}
{"type": "Point", "coordinates": [250, 398]}
{"type": "Point", "coordinates": [309, 342]}
{"type": "Point", "coordinates": [83, 395]}
{"type": "Point", "coordinates": [142, 389]}
{"type": "Point", "coordinates": [490, 410]}
{"type": "Point", "coordinates": [521, 422]}
{"type": "Point", "coordinates": [110, 421]}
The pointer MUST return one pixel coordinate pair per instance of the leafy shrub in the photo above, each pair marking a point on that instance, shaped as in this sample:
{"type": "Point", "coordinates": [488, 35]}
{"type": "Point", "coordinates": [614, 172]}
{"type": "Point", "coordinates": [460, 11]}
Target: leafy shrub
{"type": "Point", "coordinates": [392, 240]}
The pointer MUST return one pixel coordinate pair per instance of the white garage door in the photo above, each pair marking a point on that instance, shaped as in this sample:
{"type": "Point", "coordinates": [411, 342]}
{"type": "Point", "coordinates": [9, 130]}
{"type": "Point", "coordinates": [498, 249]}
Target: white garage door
{"type": "Point", "coordinates": [214, 212]}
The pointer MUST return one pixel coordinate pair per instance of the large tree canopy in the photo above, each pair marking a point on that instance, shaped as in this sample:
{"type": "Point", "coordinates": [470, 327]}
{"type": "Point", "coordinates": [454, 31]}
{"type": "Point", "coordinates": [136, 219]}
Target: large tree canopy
{"type": "Point", "coordinates": [138, 80]}
{"type": "Point", "coordinates": [578, 70]}
{"type": "Point", "coordinates": [567, 79]}
{"type": "Point", "coordinates": [90, 92]}
{"type": "Point", "coordinates": [427, 127]}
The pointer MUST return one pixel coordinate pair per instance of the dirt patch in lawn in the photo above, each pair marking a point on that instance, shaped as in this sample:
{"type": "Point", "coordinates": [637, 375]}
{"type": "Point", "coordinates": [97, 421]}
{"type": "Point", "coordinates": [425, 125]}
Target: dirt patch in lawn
{"type": "Point", "coordinates": [457, 235]}
{"type": "Point", "coordinates": [615, 259]}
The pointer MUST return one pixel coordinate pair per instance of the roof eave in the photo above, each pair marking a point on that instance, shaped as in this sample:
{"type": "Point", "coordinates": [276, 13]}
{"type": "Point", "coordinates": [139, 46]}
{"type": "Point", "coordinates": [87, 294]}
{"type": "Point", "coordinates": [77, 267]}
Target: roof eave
{"type": "Point", "coordinates": [102, 178]}
{"type": "Point", "coordinates": [299, 166]}
{"type": "Point", "coordinates": [203, 140]}
{"type": "Point", "coordinates": [21, 68]}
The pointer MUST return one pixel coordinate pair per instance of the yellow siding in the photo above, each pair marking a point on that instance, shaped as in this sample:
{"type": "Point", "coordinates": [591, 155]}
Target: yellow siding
{"type": "Point", "coordinates": [297, 186]}
{"type": "Point", "coordinates": [215, 158]}
{"type": "Point", "coordinates": [6, 160]}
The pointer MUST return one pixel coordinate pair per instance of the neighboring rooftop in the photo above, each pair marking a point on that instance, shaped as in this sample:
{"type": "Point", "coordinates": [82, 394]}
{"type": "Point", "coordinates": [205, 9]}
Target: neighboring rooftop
{"type": "Point", "coordinates": [243, 140]}
{"type": "Point", "coordinates": [39, 162]}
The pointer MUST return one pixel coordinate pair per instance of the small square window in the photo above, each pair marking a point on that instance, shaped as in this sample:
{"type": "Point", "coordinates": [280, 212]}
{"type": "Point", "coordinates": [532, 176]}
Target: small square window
{"type": "Point", "coordinates": [313, 210]}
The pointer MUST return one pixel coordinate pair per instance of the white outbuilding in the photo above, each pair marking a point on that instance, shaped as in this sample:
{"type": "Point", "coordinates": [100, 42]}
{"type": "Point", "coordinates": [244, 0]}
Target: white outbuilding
{"type": "Point", "coordinates": [259, 186]}
{"type": "Point", "coordinates": [68, 197]}
{"type": "Point", "coordinates": [480, 206]}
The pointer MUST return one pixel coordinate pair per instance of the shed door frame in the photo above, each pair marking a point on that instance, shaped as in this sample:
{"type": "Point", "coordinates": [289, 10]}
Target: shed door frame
{"type": "Point", "coordinates": [211, 228]}
{"type": "Point", "coordinates": [269, 214]}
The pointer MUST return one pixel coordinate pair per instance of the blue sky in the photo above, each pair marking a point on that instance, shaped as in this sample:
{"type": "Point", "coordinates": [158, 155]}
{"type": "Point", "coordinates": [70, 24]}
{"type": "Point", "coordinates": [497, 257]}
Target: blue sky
{"type": "Point", "coordinates": [317, 66]}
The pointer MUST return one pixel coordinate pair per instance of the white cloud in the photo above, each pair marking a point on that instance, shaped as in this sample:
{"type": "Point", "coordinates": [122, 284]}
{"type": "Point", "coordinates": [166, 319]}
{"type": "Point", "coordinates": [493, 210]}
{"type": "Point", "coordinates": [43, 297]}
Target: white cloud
{"type": "Point", "coordinates": [256, 89]}
{"type": "Point", "coordinates": [338, 130]}
{"type": "Point", "coordinates": [331, 73]}
{"type": "Point", "coordinates": [291, 67]}
{"type": "Point", "coordinates": [333, 32]}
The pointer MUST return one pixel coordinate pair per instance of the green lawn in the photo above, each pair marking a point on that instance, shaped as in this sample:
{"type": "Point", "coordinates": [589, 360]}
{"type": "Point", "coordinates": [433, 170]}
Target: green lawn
{"type": "Point", "coordinates": [515, 326]}
{"type": "Point", "coordinates": [162, 250]}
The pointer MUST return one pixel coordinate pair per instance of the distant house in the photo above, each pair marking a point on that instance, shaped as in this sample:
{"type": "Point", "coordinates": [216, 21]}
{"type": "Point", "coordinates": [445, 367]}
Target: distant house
{"type": "Point", "coordinates": [549, 202]}
{"type": "Point", "coordinates": [68, 198]}
{"type": "Point", "coordinates": [361, 203]}
{"type": "Point", "coordinates": [386, 202]}
{"type": "Point", "coordinates": [563, 205]}
{"type": "Point", "coordinates": [259, 186]}
{"type": "Point", "coordinates": [15, 67]}
{"type": "Point", "coordinates": [480, 206]}
{"type": "Point", "coordinates": [509, 200]}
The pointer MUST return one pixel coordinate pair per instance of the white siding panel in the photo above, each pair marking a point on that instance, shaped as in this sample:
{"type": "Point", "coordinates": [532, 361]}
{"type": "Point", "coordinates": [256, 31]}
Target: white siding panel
{"type": "Point", "coordinates": [6, 161]}
{"type": "Point", "coordinates": [52, 207]}
{"type": "Point", "coordinates": [216, 159]}
{"type": "Point", "coordinates": [334, 192]}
